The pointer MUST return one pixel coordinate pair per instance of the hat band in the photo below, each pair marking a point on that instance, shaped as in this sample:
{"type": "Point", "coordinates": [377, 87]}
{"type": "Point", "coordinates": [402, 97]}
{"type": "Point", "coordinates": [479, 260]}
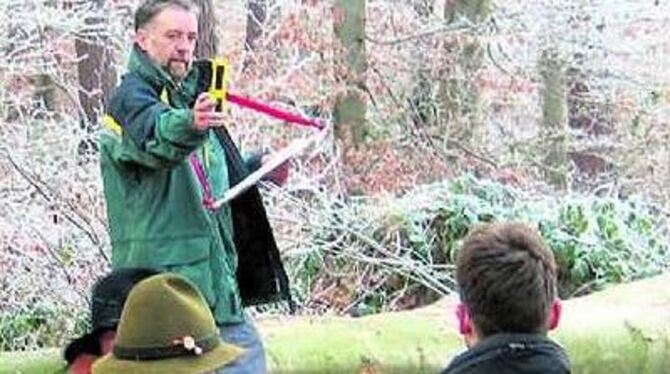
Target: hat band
{"type": "Point", "coordinates": [204, 345]}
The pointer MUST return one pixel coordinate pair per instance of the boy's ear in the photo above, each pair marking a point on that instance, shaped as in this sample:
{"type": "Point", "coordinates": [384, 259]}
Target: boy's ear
{"type": "Point", "coordinates": [463, 317]}
{"type": "Point", "coordinates": [555, 314]}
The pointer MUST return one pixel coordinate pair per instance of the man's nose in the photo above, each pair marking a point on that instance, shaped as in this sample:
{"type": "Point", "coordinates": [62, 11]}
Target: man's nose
{"type": "Point", "coordinates": [184, 46]}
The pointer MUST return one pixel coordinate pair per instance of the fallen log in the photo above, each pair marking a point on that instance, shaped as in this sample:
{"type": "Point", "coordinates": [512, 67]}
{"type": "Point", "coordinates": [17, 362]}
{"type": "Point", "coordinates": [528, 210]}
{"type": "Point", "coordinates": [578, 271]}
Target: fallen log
{"type": "Point", "coordinates": [623, 329]}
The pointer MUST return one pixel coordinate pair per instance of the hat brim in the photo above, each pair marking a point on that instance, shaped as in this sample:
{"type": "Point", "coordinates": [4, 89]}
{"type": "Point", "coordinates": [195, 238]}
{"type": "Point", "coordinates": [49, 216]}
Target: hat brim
{"type": "Point", "coordinates": [210, 361]}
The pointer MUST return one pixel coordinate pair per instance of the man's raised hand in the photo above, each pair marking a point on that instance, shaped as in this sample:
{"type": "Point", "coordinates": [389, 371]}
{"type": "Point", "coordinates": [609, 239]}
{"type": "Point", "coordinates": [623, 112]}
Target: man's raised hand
{"type": "Point", "coordinates": [205, 114]}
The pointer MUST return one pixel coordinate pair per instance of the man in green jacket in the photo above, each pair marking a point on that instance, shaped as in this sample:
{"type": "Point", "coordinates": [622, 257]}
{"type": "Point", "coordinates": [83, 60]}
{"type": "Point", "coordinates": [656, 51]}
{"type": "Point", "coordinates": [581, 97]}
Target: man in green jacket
{"type": "Point", "coordinates": [164, 158]}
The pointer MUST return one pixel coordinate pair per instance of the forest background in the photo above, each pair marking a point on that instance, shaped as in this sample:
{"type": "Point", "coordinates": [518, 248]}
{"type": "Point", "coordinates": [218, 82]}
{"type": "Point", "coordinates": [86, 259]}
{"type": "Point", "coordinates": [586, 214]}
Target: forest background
{"type": "Point", "coordinates": [444, 114]}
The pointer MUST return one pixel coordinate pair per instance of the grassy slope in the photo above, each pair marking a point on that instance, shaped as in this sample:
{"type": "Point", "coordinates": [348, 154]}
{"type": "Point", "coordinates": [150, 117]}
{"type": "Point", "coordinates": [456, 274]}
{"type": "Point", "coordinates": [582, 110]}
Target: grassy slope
{"type": "Point", "coordinates": [39, 362]}
{"type": "Point", "coordinates": [625, 329]}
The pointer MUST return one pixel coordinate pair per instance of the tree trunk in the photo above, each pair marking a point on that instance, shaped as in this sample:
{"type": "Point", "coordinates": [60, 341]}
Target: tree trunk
{"type": "Point", "coordinates": [459, 92]}
{"type": "Point", "coordinates": [45, 91]}
{"type": "Point", "coordinates": [95, 69]}
{"type": "Point", "coordinates": [257, 14]}
{"type": "Point", "coordinates": [260, 15]}
{"type": "Point", "coordinates": [474, 10]}
{"type": "Point", "coordinates": [350, 107]}
{"type": "Point", "coordinates": [555, 118]}
{"type": "Point", "coordinates": [208, 39]}
{"type": "Point", "coordinates": [422, 104]}
{"type": "Point", "coordinates": [624, 329]}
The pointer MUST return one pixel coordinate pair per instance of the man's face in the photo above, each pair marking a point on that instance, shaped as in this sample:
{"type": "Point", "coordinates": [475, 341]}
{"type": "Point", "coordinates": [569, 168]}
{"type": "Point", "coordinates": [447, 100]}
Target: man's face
{"type": "Point", "coordinates": [169, 40]}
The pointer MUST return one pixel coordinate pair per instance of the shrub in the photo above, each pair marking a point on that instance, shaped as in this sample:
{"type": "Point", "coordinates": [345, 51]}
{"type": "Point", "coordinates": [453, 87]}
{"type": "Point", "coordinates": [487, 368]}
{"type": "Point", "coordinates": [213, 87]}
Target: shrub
{"type": "Point", "coordinates": [366, 255]}
{"type": "Point", "coordinates": [40, 325]}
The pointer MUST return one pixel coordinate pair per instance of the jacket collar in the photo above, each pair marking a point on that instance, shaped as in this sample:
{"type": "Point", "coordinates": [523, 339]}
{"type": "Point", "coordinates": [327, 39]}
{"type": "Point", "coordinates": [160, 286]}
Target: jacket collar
{"type": "Point", "coordinates": [141, 64]}
{"type": "Point", "coordinates": [504, 344]}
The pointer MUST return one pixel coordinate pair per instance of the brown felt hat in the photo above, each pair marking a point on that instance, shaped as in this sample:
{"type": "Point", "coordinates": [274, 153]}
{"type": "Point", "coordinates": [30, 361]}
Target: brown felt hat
{"type": "Point", "coordinates": [166, 327]}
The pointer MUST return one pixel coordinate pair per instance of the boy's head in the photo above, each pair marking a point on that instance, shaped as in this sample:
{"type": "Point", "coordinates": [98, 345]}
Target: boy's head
{"type": "Point", "coordinates": [507, 281]}
{"type": "Point", "coordinates": [107, 299]}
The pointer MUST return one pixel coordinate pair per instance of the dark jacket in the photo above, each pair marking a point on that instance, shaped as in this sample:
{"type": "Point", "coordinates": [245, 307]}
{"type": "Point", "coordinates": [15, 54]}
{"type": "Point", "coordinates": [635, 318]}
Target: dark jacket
{"type": "Point", "coordinates": [512, 353]}
{"type": "Point", "coordinates": [154, 199]}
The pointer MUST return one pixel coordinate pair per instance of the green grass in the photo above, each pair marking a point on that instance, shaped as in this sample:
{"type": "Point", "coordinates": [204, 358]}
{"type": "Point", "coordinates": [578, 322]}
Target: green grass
{"type": "Point", "coordinates": [624, 329]}
{"type": "Point", "coordinates": [45, 361]}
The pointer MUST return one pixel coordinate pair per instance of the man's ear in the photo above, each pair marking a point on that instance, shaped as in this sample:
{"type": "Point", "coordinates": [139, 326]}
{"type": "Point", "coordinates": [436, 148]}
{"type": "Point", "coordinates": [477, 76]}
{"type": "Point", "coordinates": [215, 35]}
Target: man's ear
{"type": "Point", "coordinates": [555, 313]}
{"type": "Point", "coordinates": [141, 39]}
{"type": "Point", "coordinates": [463, 317]}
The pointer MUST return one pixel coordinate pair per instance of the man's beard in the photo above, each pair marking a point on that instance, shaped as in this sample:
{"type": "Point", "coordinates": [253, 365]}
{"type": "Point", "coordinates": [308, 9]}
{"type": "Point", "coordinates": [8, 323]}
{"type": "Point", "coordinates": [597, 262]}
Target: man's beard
{"type": "Point", "coordinates": [178, 69]}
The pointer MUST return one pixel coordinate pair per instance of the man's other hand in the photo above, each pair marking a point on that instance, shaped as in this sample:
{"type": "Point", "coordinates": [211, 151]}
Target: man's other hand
{"type": "Point", "coordinates": [279, 175]}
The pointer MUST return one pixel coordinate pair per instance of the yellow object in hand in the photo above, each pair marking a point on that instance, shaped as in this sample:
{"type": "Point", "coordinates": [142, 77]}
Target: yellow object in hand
{"type": "Point", "coordinates": [219, 84]}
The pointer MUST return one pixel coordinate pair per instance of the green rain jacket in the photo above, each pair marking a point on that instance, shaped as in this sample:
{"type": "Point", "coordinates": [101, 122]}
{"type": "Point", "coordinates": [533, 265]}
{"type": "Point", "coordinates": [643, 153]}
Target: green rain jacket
{"type": "Point", "coordinates": [155, 202]}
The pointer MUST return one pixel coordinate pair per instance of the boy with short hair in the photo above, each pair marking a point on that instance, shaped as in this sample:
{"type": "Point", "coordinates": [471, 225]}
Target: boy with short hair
{"type": "Point", "coordinates": [507, 282]}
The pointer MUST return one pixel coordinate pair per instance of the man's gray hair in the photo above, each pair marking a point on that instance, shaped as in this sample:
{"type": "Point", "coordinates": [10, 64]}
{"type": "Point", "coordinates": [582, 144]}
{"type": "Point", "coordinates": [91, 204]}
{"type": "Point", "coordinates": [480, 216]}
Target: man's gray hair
{"type": "Point", "coordinates": [150, 8]}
